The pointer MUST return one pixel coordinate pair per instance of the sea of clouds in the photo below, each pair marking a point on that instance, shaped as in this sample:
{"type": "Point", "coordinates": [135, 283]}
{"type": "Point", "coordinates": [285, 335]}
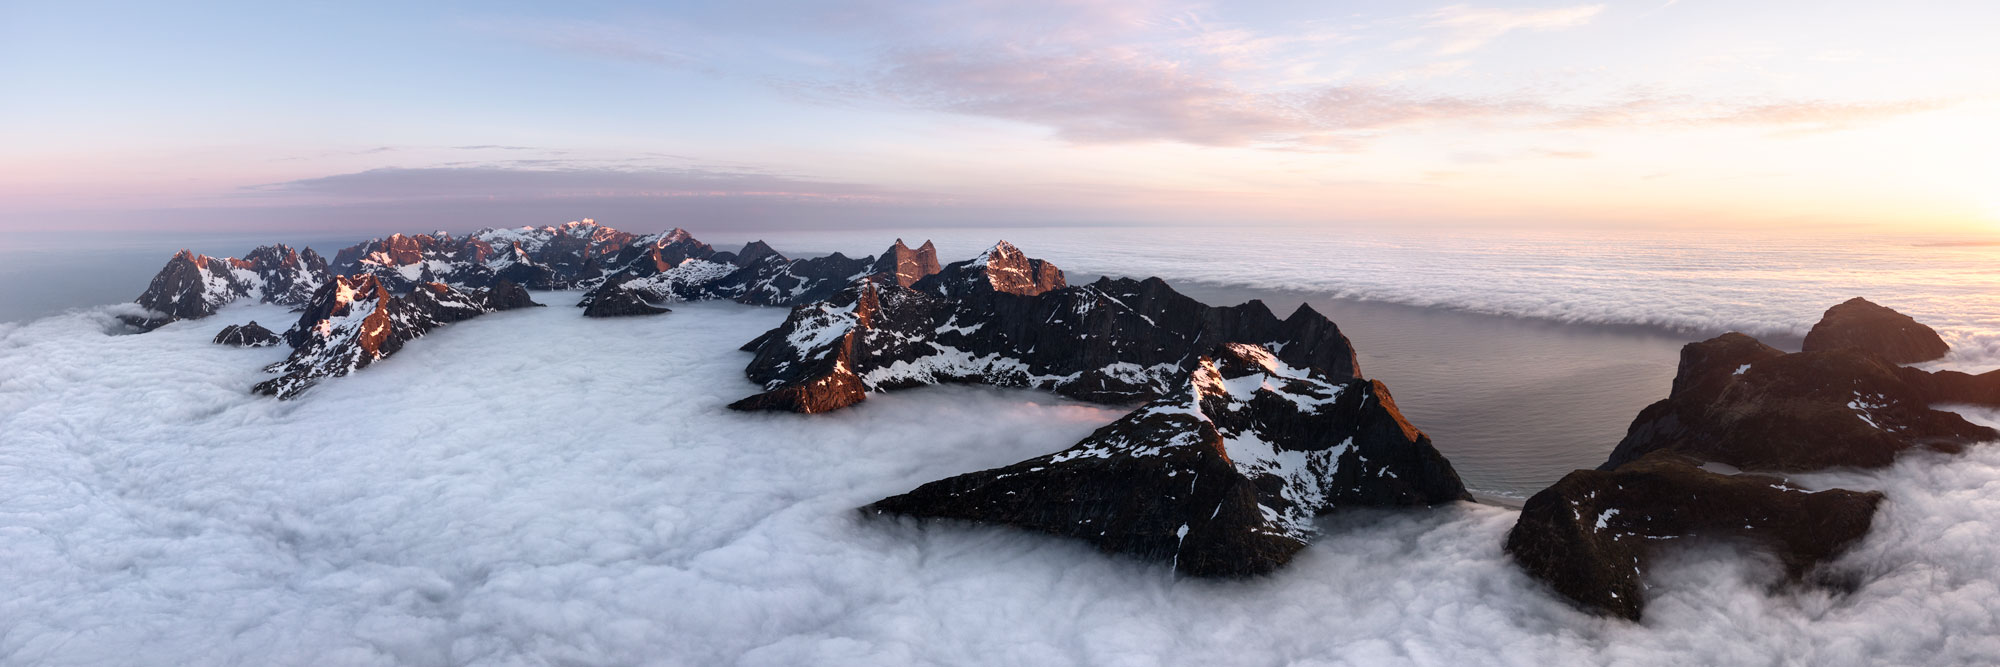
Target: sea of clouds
{"type": "Point", "coordinates": [533, 487]}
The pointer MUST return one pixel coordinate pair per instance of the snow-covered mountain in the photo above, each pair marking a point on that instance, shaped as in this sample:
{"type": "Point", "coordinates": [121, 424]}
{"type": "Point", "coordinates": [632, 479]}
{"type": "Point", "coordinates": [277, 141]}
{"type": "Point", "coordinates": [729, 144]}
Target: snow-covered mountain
{"type": "Point", "coordinates": [1222, 476]}
{"type": "Point", "coordinates": [193, 286]}
{"type": "Point", "coordinates": [353, 322]}
{"type": "Point", "coordinates": [424, 280]}
{"type": "Point", "coordinates": [551, 257]}
{"type": "Point", "coordinates": [1006, 319]}
{"type": "Point", "coordinates": [758, 275]}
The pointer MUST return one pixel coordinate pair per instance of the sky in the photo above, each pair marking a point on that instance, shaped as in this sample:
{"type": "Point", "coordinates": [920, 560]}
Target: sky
{"type": "Point", "coordinates": [1655, 114]}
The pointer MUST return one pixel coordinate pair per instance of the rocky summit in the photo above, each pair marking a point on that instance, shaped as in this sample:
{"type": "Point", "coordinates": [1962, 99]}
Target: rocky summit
{"type": "Point", "coordinates": [246, 335]}
{"type": "Point", "coordinates": [1222, 476]}
{"type": "Point", "coordinates": [1862, 325]}
{"type": "Point", "coordinates": [906, 266]}
{"type": "Point", "coordinates": [1590, 535]}
{"type": "Point", "coordinates": [354, 322]}
{"type": "Point", "coordinates": [1004, 319]}
{"type": "Point", "coordinates": [1002, 268]}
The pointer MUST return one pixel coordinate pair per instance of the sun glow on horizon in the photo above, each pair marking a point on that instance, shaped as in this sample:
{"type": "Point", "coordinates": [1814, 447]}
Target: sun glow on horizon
{"type": "Point", "coordinates": [1612, 114]}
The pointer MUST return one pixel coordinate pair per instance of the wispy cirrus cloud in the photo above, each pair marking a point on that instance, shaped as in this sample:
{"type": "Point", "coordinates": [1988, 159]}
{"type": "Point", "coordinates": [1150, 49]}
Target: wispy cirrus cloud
{"type": "Point", "coordinates": [543, 180]}
{"type": "Point", "coordinates": [1105, 95]}
{"type": "Point", "coordinates": [611, 41]}
{"type": "Point", "coordinates": [1122, 95]}
{"type": "Point", "coordinates": [1095, 73]}
{"type": "Point", "coordinates": [1467, 28]}
{"type": "Point", "coordinates": [1792, 115]}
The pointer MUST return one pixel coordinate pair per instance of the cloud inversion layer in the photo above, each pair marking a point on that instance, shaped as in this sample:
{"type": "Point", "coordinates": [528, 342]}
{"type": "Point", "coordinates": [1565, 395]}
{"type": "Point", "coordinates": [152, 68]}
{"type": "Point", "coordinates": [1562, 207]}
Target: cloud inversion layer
{"type": "Point", "coordinates": [534, 486]}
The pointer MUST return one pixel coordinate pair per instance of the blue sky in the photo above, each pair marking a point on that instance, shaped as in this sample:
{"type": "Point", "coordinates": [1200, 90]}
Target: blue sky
{"type": "Point", "coordinates": [388, 116]}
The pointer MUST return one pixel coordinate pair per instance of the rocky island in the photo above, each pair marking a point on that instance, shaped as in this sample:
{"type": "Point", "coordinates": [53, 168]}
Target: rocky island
{"type": "Point", "coordinates": [1739, 405]}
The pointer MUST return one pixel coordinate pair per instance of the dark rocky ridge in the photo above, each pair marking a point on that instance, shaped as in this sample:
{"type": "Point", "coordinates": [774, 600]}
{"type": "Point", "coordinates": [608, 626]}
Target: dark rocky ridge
{"type": "Point", "coordinates": [778, 281]}
{"type": "Point", "coordinates": [1590, 536]}
{"type": "Point", "coordinates": [354, 322]}
{"type": "Point", "coordinates": [1221, 476]}
{"type": "Point", "coordinates": [1007, 320]}
{"type": "Point", "coordinates": [247, 335]}
{"type": "Point", "coordinates": [1739, 402]}
{"type": "Point", "coordinates": [1860, 324]}
{"type": "Point", "coordinates": [1746, 404]}
{"type": "Point", "coordinates": [613, 302]}
{"type": "Point", "coordinates": [757, 276]}
{"type": "Point", "coordinates": [752, 252]}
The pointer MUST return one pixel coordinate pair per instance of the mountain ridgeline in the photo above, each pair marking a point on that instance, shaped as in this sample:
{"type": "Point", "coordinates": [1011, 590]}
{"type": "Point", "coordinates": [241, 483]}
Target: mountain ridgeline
{"type": "Point", "coordinates": [1271, 415]}
{"type": "Point", "coordinates": [1247, 428]}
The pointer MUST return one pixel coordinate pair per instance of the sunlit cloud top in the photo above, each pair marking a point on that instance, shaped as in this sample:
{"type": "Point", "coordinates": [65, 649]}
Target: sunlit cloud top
{"type": "Point", "coordinates": [1656, 113]}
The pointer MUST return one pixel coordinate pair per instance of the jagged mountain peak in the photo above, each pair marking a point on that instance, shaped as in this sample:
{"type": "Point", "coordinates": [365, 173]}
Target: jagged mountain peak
{"type": "Point", "coordinates": [1000, 251]}
{"type": "Point", "coordinates": [1002, 268]}
{"type": "Point", "coordinates": [1304, 311]}
{"type": "Point", "coordinates": [907, 266]}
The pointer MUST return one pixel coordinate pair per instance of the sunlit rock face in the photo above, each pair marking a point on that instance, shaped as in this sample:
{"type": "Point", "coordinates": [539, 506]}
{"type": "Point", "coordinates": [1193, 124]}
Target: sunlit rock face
{"type": "Point", "coordinates": [907, 266]}
{"type": "Point", "coordinates": [655, 253]}
{"type": "Point", "coordinates": [193, 286]}
{"type": "Point", "coordinates": [1860, 324]}
{"type": "Point", "coordinates": [247, 335]}
{"type": "Point", "coordinates": [1002, 268]}
{"type": "Point", "coordinates": [354, 322]}
{"type": "Point", "coordinates": [1735, 401]}
{"type": "Point", "coordinates": [996, 320]}
{"type": "Point", "coordinates": [1592, 534]}
{"type": "Point", "coordinates": [1222, 476]}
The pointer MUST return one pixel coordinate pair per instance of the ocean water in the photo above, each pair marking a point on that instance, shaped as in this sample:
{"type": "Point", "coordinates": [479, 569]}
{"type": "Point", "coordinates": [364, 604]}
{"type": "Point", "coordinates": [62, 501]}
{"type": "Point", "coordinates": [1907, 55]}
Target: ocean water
{"type": "Point", "coordinates": [46, 273]}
